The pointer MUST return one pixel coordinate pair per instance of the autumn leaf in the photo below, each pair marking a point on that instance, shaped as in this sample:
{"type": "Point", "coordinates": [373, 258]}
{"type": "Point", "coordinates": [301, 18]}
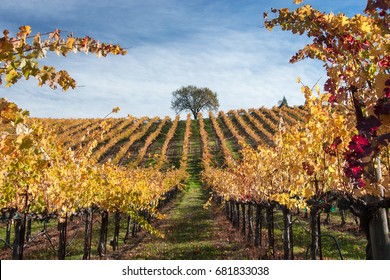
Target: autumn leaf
{"type": "Point", "coordinates": [116, 110]}
{"type": "Point", "coordinates": [308, 193]}
{"type": "Point", "coordinates": [331, 169]}
{"type": "Point", "coordinates": [24, 31]}
{"type": "Point", "coordinates": [11, 77]}
{"type": "Point", "coordinates": [70, 42]}
{"type": "Point", "coordinates": [25, 141]}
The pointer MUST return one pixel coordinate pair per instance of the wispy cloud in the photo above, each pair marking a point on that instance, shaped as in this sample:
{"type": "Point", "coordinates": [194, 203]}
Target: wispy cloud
{"type": "Point", "coordinates": [215, 44]}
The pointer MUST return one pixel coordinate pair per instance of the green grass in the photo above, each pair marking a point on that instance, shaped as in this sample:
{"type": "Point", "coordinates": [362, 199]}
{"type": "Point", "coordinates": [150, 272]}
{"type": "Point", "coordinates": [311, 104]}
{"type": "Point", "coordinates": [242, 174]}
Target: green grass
{"type": "Point", "coordinates": [229, 138]}
{"type": "Point", "coordinates": [188, 231]}
{"type": "Point", "coordinates": [156, 146]}
{"type": "Point", "coordinates": [36, 229]}
{"type": "Point", "coordinates": [178, 140]}
{"type": "Point", "coordinates": [75, 239]}
{"type": "Point", "coordinates": [352, 243]}
{"type": "Point", "coordinates": [217, 156]}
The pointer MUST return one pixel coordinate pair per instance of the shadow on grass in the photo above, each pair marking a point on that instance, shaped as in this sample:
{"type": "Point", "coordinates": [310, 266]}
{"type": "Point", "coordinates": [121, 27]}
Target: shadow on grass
{"type": "Point", "coordinates": [188, 230]}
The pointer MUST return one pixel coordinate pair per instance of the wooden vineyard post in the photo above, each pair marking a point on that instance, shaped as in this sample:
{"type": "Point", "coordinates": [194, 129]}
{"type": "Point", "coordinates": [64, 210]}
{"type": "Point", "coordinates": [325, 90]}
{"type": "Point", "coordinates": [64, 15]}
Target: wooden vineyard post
{"type": "Point", "coordinates": [287, 234]}
{"type": "Point", "coordinates": [243, 230]}
{"type": "Point", "coordinates": [231, 210]}
{"type": "Point", "coordinates": [128, 228]}
{"type": "Point", "coordinates": [62, 228]}
{"type": "Point", "coordinates": [237, 216]}
{"type": "Point", "coordinates": [315, 238]}
{"type": "Point", "coordinates": [250, 224]}
{"type": "Point", "coordinates": [28, 229]}
{"type": "Point", "coordinates": [343, 218]}
{"type": "Point", "coordinates": [20, 228]}
{"type": "Point", "coordinates": [8, 233]}
{"type": "Point", "coordinates": [227, 210]}
{"type": "Point", "coordinates": [232, 213]}
{"type": "Point", "coordinates": [378, 223]}
{"type": "Point", "coordinates": [134, 229]}
{"type": "Point", "coordinates": [114, 242]}
{"type": "Point", "coordinates": [388, 217]}
{"type": "Point", "coordinates": [88, 234]}
{"type": "Point", "coordinates": [102, 245]}
{"type": "Point", "coordinates": [258, 225]}
{"type": "Point", "coordinates": [270, 225]}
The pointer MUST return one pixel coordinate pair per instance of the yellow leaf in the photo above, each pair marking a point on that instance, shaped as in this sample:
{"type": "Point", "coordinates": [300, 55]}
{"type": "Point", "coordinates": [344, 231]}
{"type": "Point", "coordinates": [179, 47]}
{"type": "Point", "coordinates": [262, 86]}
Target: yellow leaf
{"type": "Point", "coordinates": [70, 42]}
{"type": "Point", "coordinates": [11, 77]}
{"type": "Point", "coordinates": [365, 27]}
{"type": "Point", "coordinates": [25, 142]}
{"type": "Point", "coordinates": [298, 1]}
{"type": "Point", "coordinates": [318, 90]}
{"type": "Point", "coordinates": [24, 31]}
{"type": "Point", "coordinates": [331, 169]}
{"type": "Point", "coordinates": [6, 146]}
{"type": "Point", "coordinates": [37, 38]}
{"type": "Point", "coordinates": [306, 90]}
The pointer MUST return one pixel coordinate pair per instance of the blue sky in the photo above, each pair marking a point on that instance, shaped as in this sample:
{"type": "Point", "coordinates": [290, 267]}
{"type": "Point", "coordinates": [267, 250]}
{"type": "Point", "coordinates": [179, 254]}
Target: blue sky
{"type": "Point", "coordinates": [171, 43]}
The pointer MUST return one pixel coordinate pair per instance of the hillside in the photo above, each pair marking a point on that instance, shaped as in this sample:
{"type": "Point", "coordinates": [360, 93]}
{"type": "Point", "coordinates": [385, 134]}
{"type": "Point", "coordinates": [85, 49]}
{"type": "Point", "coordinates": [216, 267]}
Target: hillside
{"type": "Point", "coordinates": [141, 142]}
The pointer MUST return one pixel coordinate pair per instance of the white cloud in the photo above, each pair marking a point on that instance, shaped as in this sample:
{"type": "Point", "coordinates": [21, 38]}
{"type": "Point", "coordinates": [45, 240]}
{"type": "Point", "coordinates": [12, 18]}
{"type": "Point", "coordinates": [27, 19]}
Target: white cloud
{"type": "Point", "coordinates": [246, 69]}
{"type": "Point", "coordinates": [172, 44]}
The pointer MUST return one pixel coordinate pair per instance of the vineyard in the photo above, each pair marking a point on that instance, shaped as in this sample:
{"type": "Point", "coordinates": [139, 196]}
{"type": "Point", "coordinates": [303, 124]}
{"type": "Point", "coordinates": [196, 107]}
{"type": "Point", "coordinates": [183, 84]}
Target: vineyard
{"type": "Point", "coordinates": [130, 171]}
{"type": "Point", "coordinates": [307, 182]}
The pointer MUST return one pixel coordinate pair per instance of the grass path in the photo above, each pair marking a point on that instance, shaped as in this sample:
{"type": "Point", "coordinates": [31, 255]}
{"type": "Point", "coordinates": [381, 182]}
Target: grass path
{"type": "Point", "coordinates": [191, 230]}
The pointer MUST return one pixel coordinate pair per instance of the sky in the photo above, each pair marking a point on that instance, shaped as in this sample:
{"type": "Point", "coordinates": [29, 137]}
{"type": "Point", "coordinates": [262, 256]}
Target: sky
{"type": "Point", "coordinates": [219, 44]}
